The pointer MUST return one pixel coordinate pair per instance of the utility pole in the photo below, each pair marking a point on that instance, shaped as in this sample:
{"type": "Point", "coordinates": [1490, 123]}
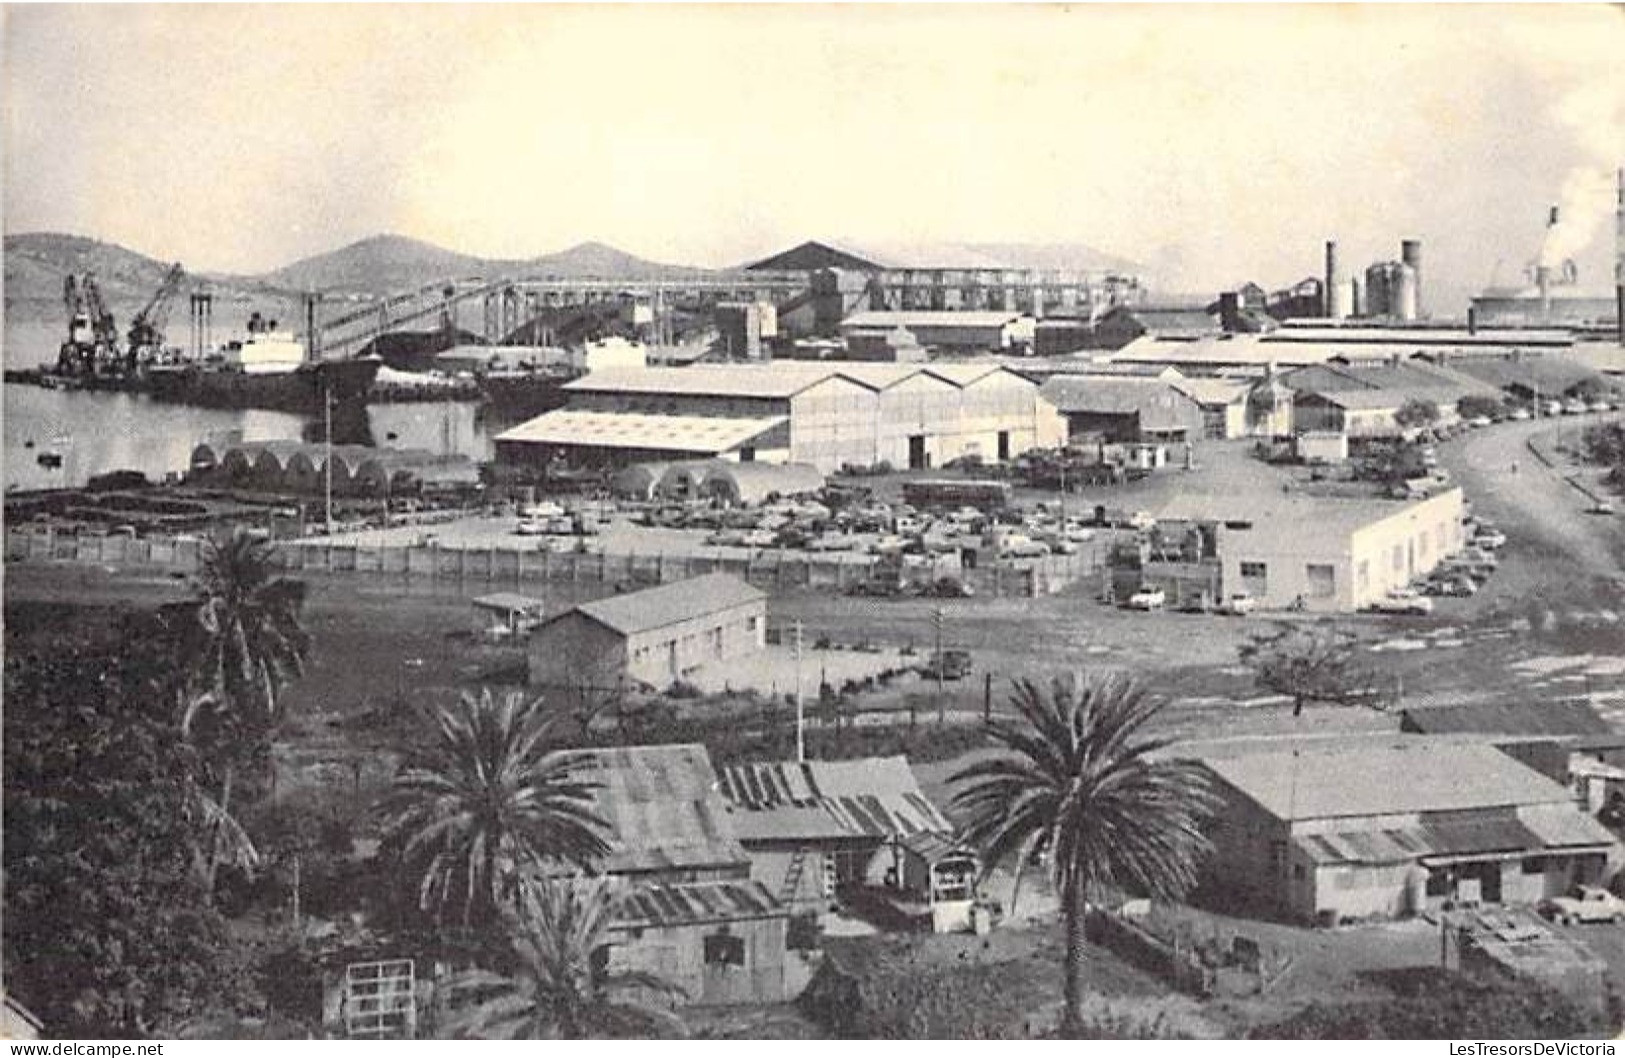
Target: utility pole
{"type": "Point", "coordinates": [801, 719]}
{"type": "Point", "coordinates": [942, 663]}
{"type": "Point", "coordinates": [327, 436]}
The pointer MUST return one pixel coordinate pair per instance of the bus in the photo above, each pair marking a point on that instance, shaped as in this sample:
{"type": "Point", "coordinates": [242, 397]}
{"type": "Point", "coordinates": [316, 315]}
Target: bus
{"type": "Point", "coordinates": [987, 496]}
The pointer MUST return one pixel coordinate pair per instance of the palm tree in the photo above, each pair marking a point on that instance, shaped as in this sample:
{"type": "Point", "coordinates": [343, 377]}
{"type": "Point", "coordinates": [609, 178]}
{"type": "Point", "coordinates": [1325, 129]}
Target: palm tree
{"type": "Point", "coordinates": [488, 797]}
{"type": "Point", "coordinates": [1076, 780]}
{"type": "Point", "coordinates": [247, 642]}
{"type": "Point", "coordinates": [561, 987]}
{"type": "Point", "coordinates": [240, 642]}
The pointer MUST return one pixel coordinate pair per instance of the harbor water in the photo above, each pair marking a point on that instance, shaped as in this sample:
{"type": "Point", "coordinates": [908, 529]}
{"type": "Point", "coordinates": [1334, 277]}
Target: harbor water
{"type": "Point", "coordinates": [82, 434]}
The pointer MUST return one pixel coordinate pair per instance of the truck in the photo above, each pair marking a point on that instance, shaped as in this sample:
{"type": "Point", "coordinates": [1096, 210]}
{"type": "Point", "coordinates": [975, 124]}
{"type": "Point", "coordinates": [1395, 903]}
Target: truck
{"type": "Point", "coordinates": [1587, 903]}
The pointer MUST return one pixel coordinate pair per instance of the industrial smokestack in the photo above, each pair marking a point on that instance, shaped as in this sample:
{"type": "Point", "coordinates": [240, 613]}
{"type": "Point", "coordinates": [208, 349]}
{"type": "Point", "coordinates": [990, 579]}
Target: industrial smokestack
{"type": "Point", "coordinates": [1334, 280]}
{"type": "Point", "coordinates": [1410, 252]}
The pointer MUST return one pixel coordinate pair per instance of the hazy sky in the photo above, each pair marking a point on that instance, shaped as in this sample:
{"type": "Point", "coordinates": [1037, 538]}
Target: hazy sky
{"type": "Point", "coordinates": [1226, 141]}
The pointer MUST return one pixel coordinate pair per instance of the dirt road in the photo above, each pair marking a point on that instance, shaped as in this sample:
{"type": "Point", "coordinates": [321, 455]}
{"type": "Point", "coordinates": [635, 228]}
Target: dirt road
{"type": "Point", "coordinates": [1556, 551]}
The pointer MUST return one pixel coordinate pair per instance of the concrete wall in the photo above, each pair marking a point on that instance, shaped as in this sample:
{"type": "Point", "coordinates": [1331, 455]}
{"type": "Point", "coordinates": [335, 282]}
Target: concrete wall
{"type": "Point", "coordinates": [833, 423]}
{"type": "Point", "coordinates": [1406, 545]}
{"type": "Point", "coordinates": [663, 655]}
{"type": "Point", "coordinates": [1349, 571]}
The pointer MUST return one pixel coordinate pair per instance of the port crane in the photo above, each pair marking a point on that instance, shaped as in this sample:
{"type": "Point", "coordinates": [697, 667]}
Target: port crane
{"type": "Point", "coordinates": [92, 343]}
{"type": "Point", "coordinates": [145, 338]}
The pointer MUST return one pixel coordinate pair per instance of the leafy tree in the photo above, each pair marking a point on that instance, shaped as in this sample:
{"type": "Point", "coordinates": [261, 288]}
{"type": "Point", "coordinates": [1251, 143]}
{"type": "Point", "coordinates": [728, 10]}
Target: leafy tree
{"type": "Point", "coordinates": [1076, 781]}
{"type": "Point", "coordinates": [1605, 443]}
{"type": "Point", "coordinates": [1317, 663]}
{"type": "Point", "coordinates": [560, 985]}
{"type": "Point", "coordinates": [489, 796]}
{"type": "Point", "coordinates": [107, 929]}
{"type": "Point", "coordinates": [1417, 412]}
{"type": "Point", "coordinates": [1474, 405]}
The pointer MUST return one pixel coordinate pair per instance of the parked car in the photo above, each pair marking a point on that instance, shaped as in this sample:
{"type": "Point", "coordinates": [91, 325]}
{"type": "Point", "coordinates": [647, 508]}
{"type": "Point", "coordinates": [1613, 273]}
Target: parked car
{"type": "Point", "coordinates": [531, 527]}
{"type": "Point", "coordinates": [1147, 599]}
{"type": "Point", "coordinates": [949, 588]}
{"type": "Point", "coordinates": [1238, 605]}
{"type": "Point", "coordinates": [1600, 507]}
{"type": "Point", "coordinates": [1587, 903]}
{"type": "Point", "coordinates": [1450, 583]}
{"type": "Point", "coordinates": [1142, 521]}
{"type": "Point", "coordinates": [1573, 406]}
{"type": "Point", "coordinates": [1480, 421]}
{"type": "Point", "coordinates": [1403, 601]}
{"type": "Point", "coordinates": [1600, 405]}
{"type": "Point", "coordinates": [948, 665]}
{"type": "Point", "coordinates": [1518, 414]}
{"type": "Point", "coordinates": [1489, 539]}
{"type": "Point", "coordinates": [1551, 407]}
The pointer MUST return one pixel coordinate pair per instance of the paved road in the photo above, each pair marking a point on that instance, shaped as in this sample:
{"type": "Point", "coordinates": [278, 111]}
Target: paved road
{"type": "Point", "coordinates": [1553, 541]}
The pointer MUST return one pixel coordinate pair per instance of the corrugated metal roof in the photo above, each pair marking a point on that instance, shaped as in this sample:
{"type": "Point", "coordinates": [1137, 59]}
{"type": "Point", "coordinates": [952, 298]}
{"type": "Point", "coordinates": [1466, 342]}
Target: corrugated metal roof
{"type": "Point", "coordinates": [682, 600]}
{"type": "Point", "coordinates": [1210, 391]}
{"type": "Point", "coordinates": [785, 800]}
{"type": "Point", "coordinates": [667, 433]}
{"type": "Point", "coordinates": [1416, 776]}
{"type": "Point", "coordinates": [1360, 399]}
{"type": "Point", "coordinates": [662, 808]}
{"type": "Point", "coordinates": [777, 381]}
{"type": "Point", "coordinates": [933, 847]}
{"type": "Point", "coordinates": [1393, 845]}
{"type": "Point", "coordinates": [1463, 833]}
{"type": "Point", "coordinates": [696, 902]}
{"type": "Point", "coordinates": [1510, 718]}
{"type": "Point", "coordinates": [1155, 400]}
{"type": "Point", "coordinates": [929, 318]}
{"type": "Point", "coordinates": [1565, 826]}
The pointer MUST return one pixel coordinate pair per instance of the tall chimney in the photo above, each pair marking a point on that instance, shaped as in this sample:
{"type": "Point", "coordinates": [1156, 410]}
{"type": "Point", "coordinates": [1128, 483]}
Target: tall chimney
{"type": "Point", "coordinates": [1410, 252]}
{"type": "Point", "coordinates": [1543, 271]}
{"type": "Point", "coordinates": [1334, 279]}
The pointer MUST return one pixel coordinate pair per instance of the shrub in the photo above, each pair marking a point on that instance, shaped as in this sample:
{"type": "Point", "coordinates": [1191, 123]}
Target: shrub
{"type": "Point", "coordinates": [1432, 1004]}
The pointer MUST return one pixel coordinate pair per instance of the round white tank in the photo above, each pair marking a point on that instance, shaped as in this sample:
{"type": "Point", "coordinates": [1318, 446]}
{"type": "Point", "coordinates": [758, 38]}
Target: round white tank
{"type": "Point", "coordinates": [1403, 305]}
{"type": "Point", "coordinates": [1342, 306]}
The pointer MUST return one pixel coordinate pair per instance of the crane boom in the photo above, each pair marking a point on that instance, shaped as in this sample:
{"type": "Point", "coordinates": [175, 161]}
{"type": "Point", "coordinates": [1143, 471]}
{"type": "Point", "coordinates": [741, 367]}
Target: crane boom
{"type": "Point", "coordinates": [146, 334]}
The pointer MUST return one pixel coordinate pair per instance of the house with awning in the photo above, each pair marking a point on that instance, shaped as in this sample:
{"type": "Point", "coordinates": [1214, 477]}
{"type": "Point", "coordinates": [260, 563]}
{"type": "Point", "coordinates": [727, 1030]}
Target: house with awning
{"type": "Point", "coordinates": [1330, 830]}
{"type": "Point", "coordinates": [813, 826]}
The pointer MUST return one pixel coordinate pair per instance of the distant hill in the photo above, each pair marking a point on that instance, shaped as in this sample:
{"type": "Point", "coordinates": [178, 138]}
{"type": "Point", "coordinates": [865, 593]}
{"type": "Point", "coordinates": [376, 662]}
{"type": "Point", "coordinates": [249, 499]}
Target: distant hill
{"type": "Point", "coordinates": [381, 264]}
{"type": "Point", "coordinates": [596, 259]}
{"type": "Point", "coordinates": [391, 263]}
{"type": "Point", "coordinates": [37, 263]}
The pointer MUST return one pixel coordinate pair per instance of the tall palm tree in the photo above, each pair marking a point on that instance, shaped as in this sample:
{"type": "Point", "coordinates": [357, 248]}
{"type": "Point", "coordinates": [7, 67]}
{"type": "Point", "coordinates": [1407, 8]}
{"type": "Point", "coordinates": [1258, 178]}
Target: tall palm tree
{"type": "Point", "coordinates": [240, 643]}
{"type": "Point", "coordinates": [1076, 781]}
{"type": "Point", "coordinates": [561, 986]}
{"type": "Point", "coordinates": [247, 642]}
{"type": "Point", "coordinates": [488, 797]}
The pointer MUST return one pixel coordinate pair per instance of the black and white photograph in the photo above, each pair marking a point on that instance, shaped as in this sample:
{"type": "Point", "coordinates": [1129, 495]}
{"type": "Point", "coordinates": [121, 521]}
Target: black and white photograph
{"type": "Point", "coordinates": [813, 521]}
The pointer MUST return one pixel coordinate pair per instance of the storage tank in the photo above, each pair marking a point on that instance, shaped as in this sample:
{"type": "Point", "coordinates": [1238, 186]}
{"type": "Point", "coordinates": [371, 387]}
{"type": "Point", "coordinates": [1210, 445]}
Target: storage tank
{"type": "Point", "coordinates": [1343, 299]}
{"type": "Point", "coordinates": [1378, 284]}
{"type": "Point", "coordinates": [1410, 254]}
{"type": "Point", "coordinates": [1404, 294]}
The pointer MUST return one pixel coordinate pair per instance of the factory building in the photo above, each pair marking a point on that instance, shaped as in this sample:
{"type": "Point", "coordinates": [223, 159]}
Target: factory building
{"type": "Point", "coordinates": [1125, 410]}
{"type": "Point", "coordinates": [949, 333]}
{"type": "Point", "coordinates": [1331, 829]}
{"type": "Point", "coordinates": [654, 637]}
{"type": "Point", "coordinates": [953, 277]}
{"type": "Point", "coordinates": [824, 414]}
{"type": "Point", "coordinates": [1360, 549]}
{"type": "Point", "coordinates": [1169, 322]}
{"type": "Point", "coordinates": [1361, 399]}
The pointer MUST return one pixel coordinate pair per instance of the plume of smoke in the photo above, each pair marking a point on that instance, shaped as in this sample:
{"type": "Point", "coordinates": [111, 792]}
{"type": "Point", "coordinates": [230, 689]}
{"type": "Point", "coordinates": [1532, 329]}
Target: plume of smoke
{"type": "Point", "coordinates": [1596, 114]}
